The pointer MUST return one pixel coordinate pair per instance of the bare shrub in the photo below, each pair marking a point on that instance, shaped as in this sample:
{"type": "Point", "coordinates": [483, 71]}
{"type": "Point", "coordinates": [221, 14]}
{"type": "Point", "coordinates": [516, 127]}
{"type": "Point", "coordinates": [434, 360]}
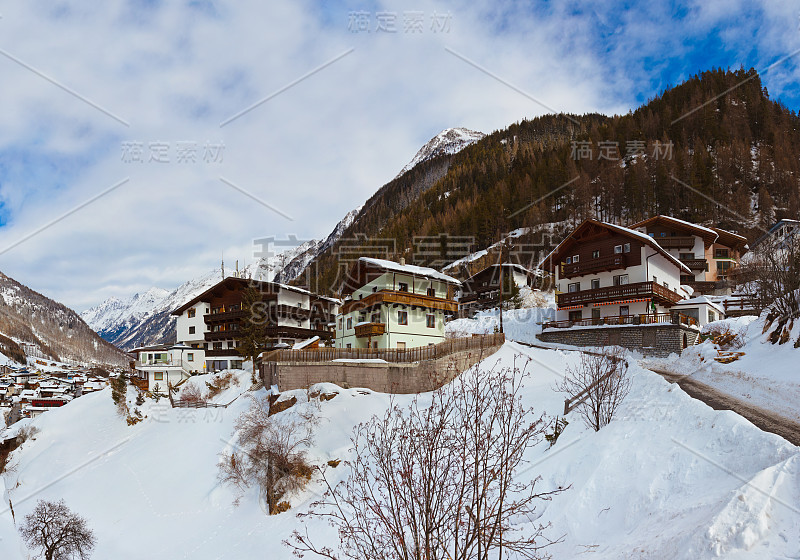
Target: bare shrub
{"type": "Point", "coordinates": [219, 383]}
{"type": "Point", "coordinates": [440, 479]}
{"type": "Point", "coordinates": [726, 336]}
{"type": "Point", "coordinates": [270, 453]}
{"type": "Point", "coordinates": [58, 532]}
{"type": "Point", "coordinates": [602, 381]}
{"type": "Point", "coordinates": [193, 394]}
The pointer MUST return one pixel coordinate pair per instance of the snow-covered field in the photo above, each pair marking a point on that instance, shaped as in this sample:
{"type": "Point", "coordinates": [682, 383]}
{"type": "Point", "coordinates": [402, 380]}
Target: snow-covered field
{"type": "Point", "coordinates": [668, 478]}
{"type": "Point", "coordinates": [767, 375]}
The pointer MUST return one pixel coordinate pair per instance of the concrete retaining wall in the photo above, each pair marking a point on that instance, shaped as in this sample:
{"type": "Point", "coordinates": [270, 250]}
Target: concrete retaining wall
{"type": "Point", "coordinates": [383, 377]}
{"type": "Point", "coordinates": [652, 340]}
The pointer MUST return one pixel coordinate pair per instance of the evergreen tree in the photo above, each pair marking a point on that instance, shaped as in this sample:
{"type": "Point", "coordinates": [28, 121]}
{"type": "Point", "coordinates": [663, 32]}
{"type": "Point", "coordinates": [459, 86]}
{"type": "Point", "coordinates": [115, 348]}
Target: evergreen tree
{"type": "Point", "coordinates": [252, 332]}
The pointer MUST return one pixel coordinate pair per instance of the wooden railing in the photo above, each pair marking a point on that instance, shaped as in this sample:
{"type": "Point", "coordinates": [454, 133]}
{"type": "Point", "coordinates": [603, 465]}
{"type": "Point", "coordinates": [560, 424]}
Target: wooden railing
{"type": "Point", "coordinates": [677, 242]}
{"type": "Point", "coordinates": [610, 262]}
{"type": "Point", "coordinates": [405, 298]}
{"type": "Point", "coordinates": [742, 303]}
{"type": "Point", "coordinates": [696, 264]}
{"type": "Point", "coordinates": [611, 293]}
{"type": "Point", "coordinates": [641, 319]}
{"type": "Point", "coordinates": [370, 329]}
{"type": "Point", "coordinates": [394, 355]}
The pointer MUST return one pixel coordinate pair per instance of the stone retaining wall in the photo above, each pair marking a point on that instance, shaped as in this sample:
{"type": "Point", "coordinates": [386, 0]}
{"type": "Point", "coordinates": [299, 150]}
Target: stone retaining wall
{"type": "Point", "coordinates": [651, 340]}
{"type": "Point", "coordinates": [384, 377]}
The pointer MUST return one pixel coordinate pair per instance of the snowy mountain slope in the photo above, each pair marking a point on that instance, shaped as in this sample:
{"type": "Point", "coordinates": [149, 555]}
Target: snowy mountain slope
{"type": "Point", "coordinates": [668, 478]}
{"type": "Point", "coordinates": [449, 141]}
{"type": "Point", "coordinates": [53, 329]}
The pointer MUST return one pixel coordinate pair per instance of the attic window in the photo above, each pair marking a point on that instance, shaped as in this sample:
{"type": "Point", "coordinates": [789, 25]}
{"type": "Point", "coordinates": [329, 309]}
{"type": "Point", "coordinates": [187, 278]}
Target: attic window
{"type": "Point", "coordinates": [191, 313]}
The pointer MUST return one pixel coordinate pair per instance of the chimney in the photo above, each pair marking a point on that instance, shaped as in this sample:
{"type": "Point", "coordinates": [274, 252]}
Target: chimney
{"type": "Point", "coordinates": [402, 261]}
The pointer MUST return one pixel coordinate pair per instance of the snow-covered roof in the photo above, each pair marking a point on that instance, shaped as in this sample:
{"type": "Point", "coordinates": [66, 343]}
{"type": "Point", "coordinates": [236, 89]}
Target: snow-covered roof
{"type": "Point", "coordinates": [681, 222]}
{"type": "Point", "coordinates": [305, 343]}
{"type": "Point", "coordinates": [699, 300]}
{"type": "Point", "coordinates": [410, 269]}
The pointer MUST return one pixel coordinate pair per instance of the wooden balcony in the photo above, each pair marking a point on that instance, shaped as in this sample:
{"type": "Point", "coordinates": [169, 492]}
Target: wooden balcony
{"type": "Point", "coordinates": [403, 298]}
{"type": "Point", "coordinates": [224, 317]}
{"type": "Point", "coordinates": [676, 242]}
{"type": "Point", "coordinates": [370, 329]}
{"type": "Point", "coordinates": [696, 264]}
{"type": "Point", "coordinates": [640, 290]}
{"type": "Point", "coordinates": [593, 266]}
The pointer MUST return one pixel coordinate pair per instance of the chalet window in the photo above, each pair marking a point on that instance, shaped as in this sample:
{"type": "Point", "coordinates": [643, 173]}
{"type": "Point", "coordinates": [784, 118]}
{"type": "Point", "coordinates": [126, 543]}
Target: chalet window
{"type": "Point", "coordinates": [374, 289]}
{"type": "Point", "coordinates": [402, 317]}
{"type": "Point", "coordinates": [576, 315]}
{"type": "Point", "coordinates": [236, 364]}
{"type": "Point", "coordinates": [686, 256]}
{"type": "Point", "coordinates": [430, 321]}
{"type": "Point", "coordinates": [575, 259]}
{"type": "Point", "coordinates": [376, 317]}
{"type": "Point", "coordinates": [723, 267]}
{"type": "Point", "coordinates": [666, 285]}
{"type": "Point", "coordinates": [595, 284]}
{"type": "Point", "coordinates": [596, 254]}
{"type": "Point", "coordinates": [349, 346]}
{"type": "Point", "coordinates": [620, 279]}
{"type": "Point", "coordinates": [655, 279]}
{"type": "Point", "coordinates": [574, 287]}
{"type": "Point", "coordinates": [206, 310]}
{"type": "Point", "coordinates": [617, 249]}
{"type": "Point", "coordinates": [403, 287]}
{"type": "Point", "coordinates": [432, 292]}
{"type": "Point", "coordinates": [624, 310]}
{"type": "Point", "coordinates": [721, 253]}
{"type": "Point", "coordinates": [217, 346]}
{"type": "Point", "coordinates": [191, 313]}
{"type": "Point", "coordinates": [158, 376]}
{"type": "Point", "coordinates": [626, 248]}
{"type": "Point", "coordinates": [191, 330]}
{"type": "Point", "coordinates": [375, 344]}
{"type": "Point", "coordinates": [568, 260]}
{"type": "Point", "coordinates": [190, 357]}
{"type": "Point", "coordinates": [349, 323]}
{"type": "Point", "coordinates": [340, 323]}
{"type": "Point", "coordinates": [231, 344]}
{"type": "Point", "coordinates": [401, 345]}
{"type": "Point", "coordinates": [686, 279]}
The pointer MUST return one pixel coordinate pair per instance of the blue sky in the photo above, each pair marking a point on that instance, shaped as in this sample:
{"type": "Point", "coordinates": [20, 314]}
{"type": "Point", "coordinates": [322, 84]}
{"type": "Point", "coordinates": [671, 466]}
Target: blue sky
{"type": "Point", "coordinates": [83, 83]}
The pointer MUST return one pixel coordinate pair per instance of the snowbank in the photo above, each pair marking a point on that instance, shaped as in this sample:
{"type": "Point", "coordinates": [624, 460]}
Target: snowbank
{"type": "Point", "coordinates": [668, 478]}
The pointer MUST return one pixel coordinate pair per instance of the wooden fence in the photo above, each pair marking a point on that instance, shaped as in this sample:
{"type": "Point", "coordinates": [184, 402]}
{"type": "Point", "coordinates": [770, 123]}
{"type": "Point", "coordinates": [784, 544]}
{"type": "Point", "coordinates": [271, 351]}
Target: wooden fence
{"type": "Point", "coordinates": [394, 355]}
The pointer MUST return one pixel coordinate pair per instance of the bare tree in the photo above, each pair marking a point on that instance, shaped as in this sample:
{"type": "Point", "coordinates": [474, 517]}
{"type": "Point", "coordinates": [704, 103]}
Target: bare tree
{"type": "Point", "coordinates": [599, 383]}
{"type": "Point", "coordinates": [269, 453]}
{"type": "Point", "coordinates": [771, 277]}
{"type": "Point", "coordinates": [58, 532]}
{"type": "Point", "coordinates": [441, 479]}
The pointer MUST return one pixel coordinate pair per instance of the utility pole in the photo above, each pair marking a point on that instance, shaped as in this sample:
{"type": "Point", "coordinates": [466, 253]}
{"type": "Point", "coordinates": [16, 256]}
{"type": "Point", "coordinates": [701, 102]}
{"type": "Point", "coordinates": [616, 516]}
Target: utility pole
{"type": "Point", "coordinates": [502, 250]}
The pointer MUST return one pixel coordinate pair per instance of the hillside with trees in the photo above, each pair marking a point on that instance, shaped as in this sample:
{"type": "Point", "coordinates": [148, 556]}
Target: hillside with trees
{"type": "Point", "coordinates": [713, 150]}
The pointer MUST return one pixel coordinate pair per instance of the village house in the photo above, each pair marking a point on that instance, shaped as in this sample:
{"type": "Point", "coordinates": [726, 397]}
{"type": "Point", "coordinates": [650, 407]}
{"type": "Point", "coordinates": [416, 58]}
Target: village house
{"type": "Point", "coordinates": [208, 323]}
{"type": "Point", "coordinates": [710, 253]}
{"type": "Point", "coordinates": [394, 305]}
{"type": "Point", "coordinates": [608, 273]}
{"type": "Point", "coordinates": [482, 290]}
{"type": "Point", "coordinates": [159, 366]}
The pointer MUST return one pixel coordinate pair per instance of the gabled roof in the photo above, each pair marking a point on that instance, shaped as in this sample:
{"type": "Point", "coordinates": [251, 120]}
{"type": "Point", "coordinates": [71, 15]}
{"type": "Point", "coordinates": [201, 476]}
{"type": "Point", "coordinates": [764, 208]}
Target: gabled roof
{"type": "Point", "coordinates": [730, 239]}
{"type": "Point", "coordinates": [708, 234]}
{"type": "Point", "coordinates": [549, 263]}
{"type": "Point", "coordinates": [231, 282]}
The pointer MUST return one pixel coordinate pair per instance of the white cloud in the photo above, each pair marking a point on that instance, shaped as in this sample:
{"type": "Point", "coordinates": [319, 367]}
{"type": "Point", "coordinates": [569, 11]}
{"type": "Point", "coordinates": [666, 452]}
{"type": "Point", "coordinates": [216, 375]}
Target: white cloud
{"type": "Point", "coordinates": [314, 152]}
